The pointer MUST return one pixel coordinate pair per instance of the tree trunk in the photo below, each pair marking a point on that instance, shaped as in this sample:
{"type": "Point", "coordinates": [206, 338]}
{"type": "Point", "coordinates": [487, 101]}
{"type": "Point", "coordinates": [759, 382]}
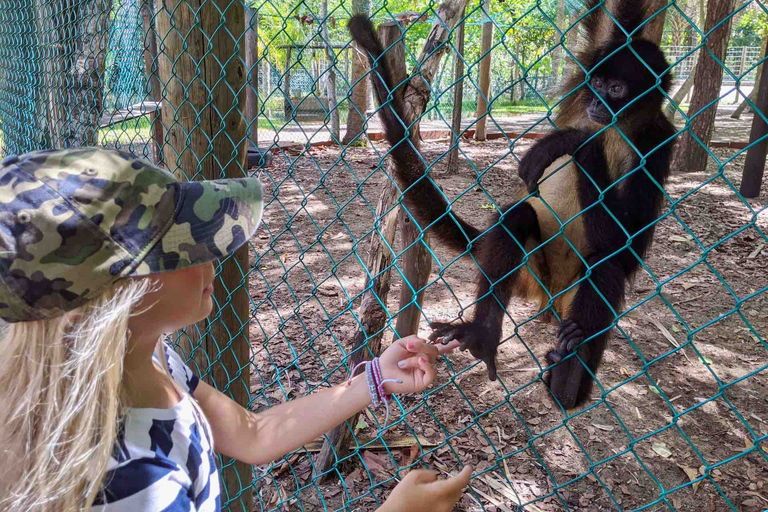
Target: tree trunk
{"type": "Point", "coordinates": [753, 94]}
{"type": "Point", "coordinates": [691, 155]}
{"type": "Point", "coordinates": [485, 74]}
{"type": "Point", "coordinates": [330, 58]}
{"type": "Point", "coordinates": [677, 99]}
{"type": "Point", "coordinates": [654, 29]}
{"type": "Point", "coordinates": [754, 165]}
{"type": "Point", "coordinates": [458, 95]}
{"type": "Point", "coordinates": [358, 99]}
{"type": "Point", "coordinates": [203, 77]}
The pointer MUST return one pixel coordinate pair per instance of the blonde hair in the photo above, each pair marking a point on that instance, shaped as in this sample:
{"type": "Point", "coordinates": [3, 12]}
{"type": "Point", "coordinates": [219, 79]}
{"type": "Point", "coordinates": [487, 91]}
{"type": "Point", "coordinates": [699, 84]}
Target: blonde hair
{"type": "Point", "coordinates": [60, 387]}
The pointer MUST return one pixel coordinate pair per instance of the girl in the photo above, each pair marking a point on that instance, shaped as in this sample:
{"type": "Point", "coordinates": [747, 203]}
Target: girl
{"type": "Point", "coordinates": [100, 255]}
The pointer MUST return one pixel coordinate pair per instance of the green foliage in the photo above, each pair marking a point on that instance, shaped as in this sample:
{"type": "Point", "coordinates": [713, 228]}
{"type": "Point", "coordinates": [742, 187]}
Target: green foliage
{"type": "Point", "coordinates": [750, 28]}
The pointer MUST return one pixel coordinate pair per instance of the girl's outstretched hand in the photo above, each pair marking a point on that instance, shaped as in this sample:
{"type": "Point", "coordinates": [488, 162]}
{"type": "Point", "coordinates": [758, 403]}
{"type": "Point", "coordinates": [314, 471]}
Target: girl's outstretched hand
{"type": "Point", "coordinates": [421, 491]}
{"type": "Point", "coordinates": [411, 360]}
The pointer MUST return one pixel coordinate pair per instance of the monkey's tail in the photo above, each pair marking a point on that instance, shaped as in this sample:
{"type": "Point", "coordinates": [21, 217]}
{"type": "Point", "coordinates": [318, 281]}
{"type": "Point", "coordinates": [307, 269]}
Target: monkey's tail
{"type": "Point", "coordinates": [423, 199]}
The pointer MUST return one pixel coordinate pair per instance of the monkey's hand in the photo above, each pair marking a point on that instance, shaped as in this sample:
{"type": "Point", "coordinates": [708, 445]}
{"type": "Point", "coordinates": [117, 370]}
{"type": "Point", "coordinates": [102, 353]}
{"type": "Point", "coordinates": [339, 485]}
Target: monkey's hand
{"type": "Point", "coordinates": [565, 379]}
{"type": "Point", "coordinates": [481, 341]}
{"type": "Point", "coordinates": [532, 167]}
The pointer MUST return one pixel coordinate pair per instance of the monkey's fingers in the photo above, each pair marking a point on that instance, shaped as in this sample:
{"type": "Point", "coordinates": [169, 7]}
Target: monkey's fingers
{"type": "Point", "coordinates": [569, 335]}
{"type": "Point", "coordinates": [444, 332]}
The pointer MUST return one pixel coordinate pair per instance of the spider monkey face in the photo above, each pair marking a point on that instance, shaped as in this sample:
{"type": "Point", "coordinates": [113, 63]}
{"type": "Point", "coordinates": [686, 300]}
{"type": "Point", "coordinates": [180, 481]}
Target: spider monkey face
{"type": "Point", "coordinates": [613, 91]}
{"type": "Point", "coordinates": [625, 77]}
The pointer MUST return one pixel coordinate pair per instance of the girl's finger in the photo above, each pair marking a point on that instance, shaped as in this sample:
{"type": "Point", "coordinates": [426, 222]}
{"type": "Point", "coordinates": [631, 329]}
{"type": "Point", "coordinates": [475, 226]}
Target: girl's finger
{"type": "Point", "coordinates": [429, 373]}
{"type": "Point", "coordinates": [457, 482]}
{"type": "Point", "coordinates": [420, 347]}
{"type": "Point", "coordinates": [448, 348]}
{"type": "Point", "coordinates": [412, 363]}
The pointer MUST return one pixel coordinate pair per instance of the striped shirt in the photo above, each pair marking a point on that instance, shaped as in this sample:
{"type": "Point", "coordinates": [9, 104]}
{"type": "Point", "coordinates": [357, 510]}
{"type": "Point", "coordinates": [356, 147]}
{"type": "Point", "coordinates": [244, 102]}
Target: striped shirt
{"type": "Point", "coordinates": [163, 458]}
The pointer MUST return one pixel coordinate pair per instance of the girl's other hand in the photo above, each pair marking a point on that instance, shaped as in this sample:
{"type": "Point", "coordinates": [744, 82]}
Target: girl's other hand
{"type": "Point", "coordinates": [411, 360]}
{"type": "Point", "coordinates": [420, 490]}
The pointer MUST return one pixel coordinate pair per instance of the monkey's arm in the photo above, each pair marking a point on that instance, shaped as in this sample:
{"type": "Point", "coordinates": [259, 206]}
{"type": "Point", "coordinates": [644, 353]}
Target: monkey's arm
{"type": "Point", "coordinates": [500, 252]}
{"type": "Point", "coordinates": [546, 151]}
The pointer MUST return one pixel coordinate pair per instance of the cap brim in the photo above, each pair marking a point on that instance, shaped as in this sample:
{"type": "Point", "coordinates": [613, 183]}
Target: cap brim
{"type": "Point", "coordinates": [213, 219]}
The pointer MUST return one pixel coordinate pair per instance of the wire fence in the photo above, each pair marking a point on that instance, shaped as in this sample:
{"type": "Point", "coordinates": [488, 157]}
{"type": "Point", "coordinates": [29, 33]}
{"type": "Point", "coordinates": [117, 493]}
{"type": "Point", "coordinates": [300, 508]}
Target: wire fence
{"type": "Point", "coordinates": [678, 419]}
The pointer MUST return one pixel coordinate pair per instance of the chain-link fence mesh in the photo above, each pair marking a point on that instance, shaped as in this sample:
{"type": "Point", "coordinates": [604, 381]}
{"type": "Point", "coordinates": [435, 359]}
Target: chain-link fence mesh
{"type": "Point", "coordinates": [679, 416]}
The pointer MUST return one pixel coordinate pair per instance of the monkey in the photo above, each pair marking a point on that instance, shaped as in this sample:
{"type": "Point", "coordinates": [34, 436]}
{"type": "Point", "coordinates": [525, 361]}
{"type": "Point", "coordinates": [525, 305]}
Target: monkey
{"type": "Point", "coordinates": [576, 233]}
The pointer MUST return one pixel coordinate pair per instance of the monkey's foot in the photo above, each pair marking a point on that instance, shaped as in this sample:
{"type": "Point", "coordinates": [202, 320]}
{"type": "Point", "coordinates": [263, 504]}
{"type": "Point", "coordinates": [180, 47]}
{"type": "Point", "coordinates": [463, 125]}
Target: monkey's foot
{"type": "Point", "coordinates": [481, 341]}
{"type": "Point", "coordinates": [565, 379]}
{"type": "Point", "coordinates": [568, 337]}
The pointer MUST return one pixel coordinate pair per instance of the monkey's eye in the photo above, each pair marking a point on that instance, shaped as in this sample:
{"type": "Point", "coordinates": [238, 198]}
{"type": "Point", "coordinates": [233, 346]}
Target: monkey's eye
{"type": "Point", "coordinates": [597, 83]}
{"type": "Point", "coordinates": [616, 90]}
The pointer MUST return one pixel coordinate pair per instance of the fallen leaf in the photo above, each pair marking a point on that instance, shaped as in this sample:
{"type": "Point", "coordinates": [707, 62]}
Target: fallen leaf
{"type": "Point", "coordinates": [678, 238]}
{"type": "Point", "coordinates": [654, 389]}
{"type": "Point", "coordinates": [662, 450]}
{"type": "Point", "coordinates": [375, 462]}
{"type": "Point", "coordinates": [413, 453]}
{"type": "Point", "coordinates": [353, 477]}
{"type": "Point", "coordinates": [361, 424]}
{"type": "Point", "coordinates": [487, 207]}
{"type": "Point", "coordinates": [705, 360]}
{"type": "Point", "coordinates": [751, 502]}
{"type": "Point", "coordinates": [607, 428]}
{"type": "Point", "coordinates": [748, 444]}
{"type": "Point", "coordinates": [692, 474]}
{"type": "Point", "coordinates": [625, 372]}
{"type": "Point", "coordinates": [688, 286]}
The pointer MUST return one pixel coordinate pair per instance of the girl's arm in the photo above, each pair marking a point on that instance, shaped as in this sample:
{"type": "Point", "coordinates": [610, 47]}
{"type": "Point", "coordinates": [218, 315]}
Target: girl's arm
{"type": "Point", "coordinates": [266, 436]}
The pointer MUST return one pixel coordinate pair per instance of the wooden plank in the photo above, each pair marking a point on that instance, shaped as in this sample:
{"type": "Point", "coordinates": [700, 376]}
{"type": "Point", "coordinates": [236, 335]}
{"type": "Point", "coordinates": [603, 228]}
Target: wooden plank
{"type": "Point", "coordinates": [131, 112]}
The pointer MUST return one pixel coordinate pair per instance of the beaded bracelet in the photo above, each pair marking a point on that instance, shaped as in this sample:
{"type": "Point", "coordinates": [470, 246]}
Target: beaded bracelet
{"type": "Point", "coordinates": [375, 383]}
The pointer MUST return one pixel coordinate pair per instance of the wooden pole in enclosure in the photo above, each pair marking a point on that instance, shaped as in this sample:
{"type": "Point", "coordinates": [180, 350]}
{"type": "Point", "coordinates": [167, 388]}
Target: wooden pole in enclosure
{"type": "Point", "coordinates": [372, 316]}
{"type": "Point", "coordinates": [151, 68]}
{"type": "Point", "coordinates": [251, 67]}
{"type": "Point", "coordinates": [754, 165]}
{"type": "Point", "coordinates": [206, 139]}
{"type": "Point", "coordinates": [458, 94]}
{"type": "Point", "coordinates": [485, 75]}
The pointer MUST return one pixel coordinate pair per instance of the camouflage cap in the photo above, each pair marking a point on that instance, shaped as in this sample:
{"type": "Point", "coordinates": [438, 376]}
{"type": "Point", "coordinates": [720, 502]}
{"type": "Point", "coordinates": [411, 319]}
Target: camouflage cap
{"type": "Point", "coordinates": [75, 221]}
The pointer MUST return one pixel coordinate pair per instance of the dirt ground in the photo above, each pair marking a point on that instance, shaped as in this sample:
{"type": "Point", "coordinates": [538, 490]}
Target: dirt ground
{"type": "Point", "coordinates": [669, 416]}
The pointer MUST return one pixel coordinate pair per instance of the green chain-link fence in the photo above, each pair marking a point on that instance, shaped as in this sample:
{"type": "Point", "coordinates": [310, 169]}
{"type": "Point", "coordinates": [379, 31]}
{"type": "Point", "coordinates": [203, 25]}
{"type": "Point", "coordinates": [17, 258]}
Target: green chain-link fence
{"type": "Point", "coordinates": [679, 417]}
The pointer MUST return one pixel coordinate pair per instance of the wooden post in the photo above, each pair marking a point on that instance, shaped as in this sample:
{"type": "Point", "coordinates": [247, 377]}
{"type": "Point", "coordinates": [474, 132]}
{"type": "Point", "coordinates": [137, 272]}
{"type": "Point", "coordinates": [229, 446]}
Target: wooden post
{"type": "Point", "coordinates": [206, 139]}
{"type": "Point", "coordinates": [287, 104]}
{"type": "Point", "coordinates": [252, 69]}
{"type": "Point", "coordinates": [458, 94]}
{"type": "Point", "coordinates": [373, 317]}
{"type": "Point", "coordinates": [358, 96]}
{"type": "Point", "coordinates": [754, 165]}
{"type": "Point", "coordinates": [151, 68]}
{"type": "Point", "coordinates": [330, 59]}
{"type": "Point", "coordinates": [485, 75]}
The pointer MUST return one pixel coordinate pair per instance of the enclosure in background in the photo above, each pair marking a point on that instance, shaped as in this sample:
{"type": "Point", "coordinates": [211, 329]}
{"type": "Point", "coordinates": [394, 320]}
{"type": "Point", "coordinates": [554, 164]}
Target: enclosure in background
{"type": "Point", "coordinates": [275, 88]}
